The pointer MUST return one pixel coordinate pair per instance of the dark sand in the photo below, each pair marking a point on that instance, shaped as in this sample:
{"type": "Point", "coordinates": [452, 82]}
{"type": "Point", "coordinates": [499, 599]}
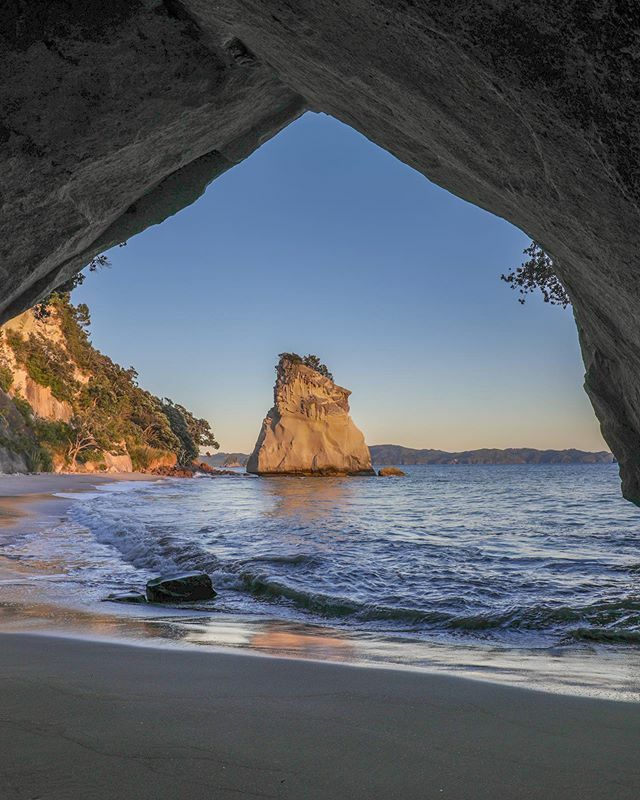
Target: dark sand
{"type": "Point", "coordinates": [81, 719]}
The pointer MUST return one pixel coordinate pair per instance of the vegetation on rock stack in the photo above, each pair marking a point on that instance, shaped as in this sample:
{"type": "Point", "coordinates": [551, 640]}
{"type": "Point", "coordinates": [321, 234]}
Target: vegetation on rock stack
{"type": "Point", "coordinates": [108, 413]}
{"type": "Point", "coordinates": [311, 361]}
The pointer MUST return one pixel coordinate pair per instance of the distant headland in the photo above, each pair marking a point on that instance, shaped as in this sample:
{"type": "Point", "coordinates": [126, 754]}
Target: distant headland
{"type": "Point", "coordinates": [396, 454]}
{"type": "Point", "coordinates": [383, 454]}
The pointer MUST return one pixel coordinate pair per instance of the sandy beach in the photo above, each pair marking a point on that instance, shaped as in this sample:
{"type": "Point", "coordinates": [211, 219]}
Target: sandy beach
{"type": "Point", "coordinates": [84, 718]}
{"type": "Point", "coordinates": [21, 495]}
{"type": "Point", "coordinates": [96, 720]}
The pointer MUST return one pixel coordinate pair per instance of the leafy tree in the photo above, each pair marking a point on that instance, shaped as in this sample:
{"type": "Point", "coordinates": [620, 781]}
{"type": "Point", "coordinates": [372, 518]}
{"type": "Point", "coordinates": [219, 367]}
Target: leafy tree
{"type": "Point", "coordinates": [314, 363]}
{"type": "Point", "coordinates": [97, 423]}
{"type": "Point", "coordinates": [151, 423]}
{"type": "Point", "coordinates": [187, 450]}
{"type": "Point", "coordinates": [81, 437]}
{"type": "Point", "coordinates": [192, 433]}
{"type": "Point", "coordinates": [199, 429]}
{"type": "Point", "coordinates": [43, 309]}
{"type": "Point", "coordinates": [537, 272]}
{"type": "Point", "coordinates": [293, 357]}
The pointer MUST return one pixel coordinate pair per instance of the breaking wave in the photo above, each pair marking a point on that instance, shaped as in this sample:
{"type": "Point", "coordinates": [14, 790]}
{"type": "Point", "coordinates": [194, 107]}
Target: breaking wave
{"type": "Point", "coordinates": [519, 555]}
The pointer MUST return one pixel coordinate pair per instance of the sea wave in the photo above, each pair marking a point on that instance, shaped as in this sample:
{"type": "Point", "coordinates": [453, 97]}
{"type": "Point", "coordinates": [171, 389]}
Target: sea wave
{"type": "Point", "coordinates": [467, 552]}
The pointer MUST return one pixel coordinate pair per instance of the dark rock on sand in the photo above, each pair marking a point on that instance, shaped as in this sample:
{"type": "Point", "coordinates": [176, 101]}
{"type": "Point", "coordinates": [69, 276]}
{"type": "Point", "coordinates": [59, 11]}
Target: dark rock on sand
{"type": "Point", "coordinates": [390, 472]}
{"type": "Point", "coordinates": [181, 588]}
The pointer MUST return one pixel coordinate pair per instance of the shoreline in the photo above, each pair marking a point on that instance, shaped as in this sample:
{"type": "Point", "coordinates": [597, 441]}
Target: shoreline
{"type": "Point", "coordinates": [55, 607]}
{"type": "Point", "coordinates": [35, 497]}
{"type": "Point", "coordinates": [28, 490]}
{"type": "Point", "coordinates": [96, 719]}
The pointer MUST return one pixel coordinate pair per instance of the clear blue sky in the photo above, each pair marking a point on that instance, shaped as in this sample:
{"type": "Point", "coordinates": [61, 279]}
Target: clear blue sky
{"type": "Point", "coordinates": [322, 242]}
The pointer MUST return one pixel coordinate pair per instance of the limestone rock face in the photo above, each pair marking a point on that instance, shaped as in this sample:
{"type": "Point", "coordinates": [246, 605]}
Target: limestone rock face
{"type": "Point", "coordinates": [309, 431]}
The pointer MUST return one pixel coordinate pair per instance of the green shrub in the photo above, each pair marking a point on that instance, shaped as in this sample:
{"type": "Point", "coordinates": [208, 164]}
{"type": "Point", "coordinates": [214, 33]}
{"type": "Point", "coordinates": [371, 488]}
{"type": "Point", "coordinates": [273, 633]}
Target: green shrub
{"type": "Point", "coordinates": [143, 456]}
{"type": "Point", "coordinates": [45, 362]}
{"type": "Point", "coordinates": [24, 408]}
{"type": "Point", "coordinates": [39, 459]}
{"type": "Point", "coordinates": [6, 378]}
{"type": "Point", "coordinates": [53, 433]}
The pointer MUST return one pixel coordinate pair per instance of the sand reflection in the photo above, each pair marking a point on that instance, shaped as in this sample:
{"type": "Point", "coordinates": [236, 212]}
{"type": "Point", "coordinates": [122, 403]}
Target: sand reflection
{"type": "Point", "coordinates": [276, 638]}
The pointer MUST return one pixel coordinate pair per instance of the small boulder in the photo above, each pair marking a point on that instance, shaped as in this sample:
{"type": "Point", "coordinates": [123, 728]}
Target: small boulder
{"type": "Point", "coordinates": [127, 597]}
{"type": "Point", "coordinates": [389, 472]}
{"type": "Point", "coordinates": [182, 588]}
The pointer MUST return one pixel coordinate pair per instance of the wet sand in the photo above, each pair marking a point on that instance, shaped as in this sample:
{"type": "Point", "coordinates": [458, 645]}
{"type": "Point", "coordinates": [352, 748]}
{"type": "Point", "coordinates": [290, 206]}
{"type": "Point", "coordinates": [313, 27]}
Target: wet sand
{"type": "Point", "coordinates": [82, 719]}
{"type": "Point", "coordinates": [25, 499]}
{"type": "Point", "coordinates": [21, 495]}
{"type": "Point", "coordinates": [49, 482]}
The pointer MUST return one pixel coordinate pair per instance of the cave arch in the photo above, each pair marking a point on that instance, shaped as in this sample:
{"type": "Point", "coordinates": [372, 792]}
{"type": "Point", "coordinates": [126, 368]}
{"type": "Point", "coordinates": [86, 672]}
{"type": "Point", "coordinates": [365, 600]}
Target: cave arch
{"type": "Point", "coordinates": [116, 115]}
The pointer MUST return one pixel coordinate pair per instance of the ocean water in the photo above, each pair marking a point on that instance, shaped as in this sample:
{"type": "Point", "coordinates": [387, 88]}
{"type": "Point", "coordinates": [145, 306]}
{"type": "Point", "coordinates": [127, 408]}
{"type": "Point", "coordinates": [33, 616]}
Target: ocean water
{"type": "Point", "coordinates": [529, 574]}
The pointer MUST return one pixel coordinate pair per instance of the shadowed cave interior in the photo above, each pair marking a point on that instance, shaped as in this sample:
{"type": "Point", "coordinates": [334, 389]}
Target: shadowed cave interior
{"type": "Point", "coordinates": [116, 117]}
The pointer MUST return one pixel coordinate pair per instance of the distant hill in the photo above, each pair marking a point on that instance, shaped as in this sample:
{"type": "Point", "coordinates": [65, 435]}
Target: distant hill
{"type": "Point", "coordinates": [395, 454]}
{"type": "Point", "coordinates": [226, 460]}
{"type": "Point", "coordinates": [382, 454]}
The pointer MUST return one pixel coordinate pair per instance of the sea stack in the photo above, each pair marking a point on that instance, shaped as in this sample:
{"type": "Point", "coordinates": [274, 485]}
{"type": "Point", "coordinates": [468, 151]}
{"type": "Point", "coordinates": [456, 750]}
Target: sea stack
{"type": "Point", "coordinates": [309, 431]}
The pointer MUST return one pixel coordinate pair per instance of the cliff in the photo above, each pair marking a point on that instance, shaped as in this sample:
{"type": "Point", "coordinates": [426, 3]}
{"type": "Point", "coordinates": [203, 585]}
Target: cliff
{"type": "Point", "coordinates": [66, 406]}
{"type": "Point", "coordinates": [396, 454]}
{"type": "Point", "coordinates": [308, 431]}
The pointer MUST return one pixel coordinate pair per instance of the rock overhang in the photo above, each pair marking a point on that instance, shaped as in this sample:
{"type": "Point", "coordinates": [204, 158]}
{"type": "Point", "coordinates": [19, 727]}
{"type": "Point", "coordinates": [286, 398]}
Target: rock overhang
{"type": "Point", "coordinates": [114, 119]}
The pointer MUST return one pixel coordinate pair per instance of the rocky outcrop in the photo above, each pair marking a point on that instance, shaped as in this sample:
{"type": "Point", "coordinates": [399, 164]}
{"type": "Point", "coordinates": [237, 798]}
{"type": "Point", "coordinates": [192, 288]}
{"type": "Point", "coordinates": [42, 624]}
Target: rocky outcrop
{"type": "Point", "coordinates": [52, 381]}
{"type": "Point", "coordinates": [391, 472]}
{"type": "Point", "coordinates": [181, 588]}
{"type": "Point", "coordinates": [109, 462]}
{"type": "Point", "coordinates": [309, 431]}
{"type": "Point", "coordinates": [115, 116]}
{"type": "Point", "coordinates": [40, 398]}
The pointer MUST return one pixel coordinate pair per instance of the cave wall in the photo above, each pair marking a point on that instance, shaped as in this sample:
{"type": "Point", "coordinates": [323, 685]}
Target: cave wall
{"type": "Point", "coordinates": [116, 115]}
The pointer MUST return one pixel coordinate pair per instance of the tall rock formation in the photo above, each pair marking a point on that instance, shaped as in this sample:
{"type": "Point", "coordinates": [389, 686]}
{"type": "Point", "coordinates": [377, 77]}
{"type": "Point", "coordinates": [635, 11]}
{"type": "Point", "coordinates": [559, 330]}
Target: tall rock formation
{"type": "Point", "coordinates": [308, 431]}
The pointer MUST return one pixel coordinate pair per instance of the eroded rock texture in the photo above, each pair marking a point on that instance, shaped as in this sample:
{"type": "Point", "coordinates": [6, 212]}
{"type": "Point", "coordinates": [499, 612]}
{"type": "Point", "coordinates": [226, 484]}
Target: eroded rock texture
{"type": "Point", "coordinates": [118, 114]}
{"type": "Point", "coordinates": [309, 431]}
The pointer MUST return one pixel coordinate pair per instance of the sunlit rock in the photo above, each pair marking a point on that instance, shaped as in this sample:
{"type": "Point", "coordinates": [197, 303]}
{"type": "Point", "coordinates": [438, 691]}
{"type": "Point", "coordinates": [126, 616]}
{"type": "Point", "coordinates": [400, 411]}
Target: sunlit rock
{"type": "Point", "coordinates": [309, 431]}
